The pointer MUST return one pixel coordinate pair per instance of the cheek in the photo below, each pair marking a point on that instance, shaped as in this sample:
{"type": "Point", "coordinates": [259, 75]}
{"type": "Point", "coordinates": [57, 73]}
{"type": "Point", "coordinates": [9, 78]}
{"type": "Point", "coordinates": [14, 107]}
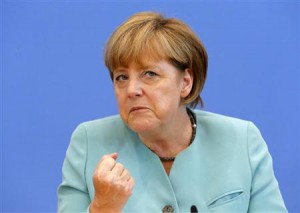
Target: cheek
{"type": "Point", "coordinates": [118, 96]}
{"type": "Point", "coordinates": [123, 112]}
{"type": "Point", "coordinates": [121, 102]}
{"type": "Point", "coordinates": [167, 98]}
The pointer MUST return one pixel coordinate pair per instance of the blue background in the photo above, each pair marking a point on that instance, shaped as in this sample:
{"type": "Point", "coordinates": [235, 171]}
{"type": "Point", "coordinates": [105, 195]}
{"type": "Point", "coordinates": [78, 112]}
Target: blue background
{"type": "Point", "coordinates": [54, 78]}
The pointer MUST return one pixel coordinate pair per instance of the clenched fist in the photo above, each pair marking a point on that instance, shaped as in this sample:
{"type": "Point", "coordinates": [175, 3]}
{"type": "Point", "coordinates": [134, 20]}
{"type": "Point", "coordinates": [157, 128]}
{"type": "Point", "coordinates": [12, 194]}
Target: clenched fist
{"type": "Point", "coordinates": [113, 185]}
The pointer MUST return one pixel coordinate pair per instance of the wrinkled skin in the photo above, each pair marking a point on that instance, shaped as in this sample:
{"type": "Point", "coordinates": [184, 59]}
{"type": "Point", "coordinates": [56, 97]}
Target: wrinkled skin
{"type": "Point", "coordinates": [113, 185]}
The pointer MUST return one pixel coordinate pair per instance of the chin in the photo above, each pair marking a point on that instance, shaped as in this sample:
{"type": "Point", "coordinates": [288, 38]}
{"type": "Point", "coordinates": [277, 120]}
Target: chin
{"type": "Point", "coordinates": [140, 126]}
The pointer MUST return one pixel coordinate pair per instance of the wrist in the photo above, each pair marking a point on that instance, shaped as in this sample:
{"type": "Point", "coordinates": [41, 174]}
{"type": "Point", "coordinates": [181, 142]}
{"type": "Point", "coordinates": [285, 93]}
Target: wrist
{"type": "Point", "coordinates": [96, 208]}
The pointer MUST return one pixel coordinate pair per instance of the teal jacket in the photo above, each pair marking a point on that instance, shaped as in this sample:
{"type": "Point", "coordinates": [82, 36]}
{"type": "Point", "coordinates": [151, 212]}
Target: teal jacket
{"type": "Point", "coordinates": [227, 168]}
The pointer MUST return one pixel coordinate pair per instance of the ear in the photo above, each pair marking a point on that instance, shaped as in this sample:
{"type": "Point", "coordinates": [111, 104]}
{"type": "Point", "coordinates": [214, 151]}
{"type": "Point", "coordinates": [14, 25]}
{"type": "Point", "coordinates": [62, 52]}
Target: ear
{"type": "Point", "coordinates": [187, 83]}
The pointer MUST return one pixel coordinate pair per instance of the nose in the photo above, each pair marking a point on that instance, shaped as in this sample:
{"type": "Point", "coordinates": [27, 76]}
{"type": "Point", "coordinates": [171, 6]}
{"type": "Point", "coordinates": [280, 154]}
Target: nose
{"type": "Point", "coordinates": [134, 88]}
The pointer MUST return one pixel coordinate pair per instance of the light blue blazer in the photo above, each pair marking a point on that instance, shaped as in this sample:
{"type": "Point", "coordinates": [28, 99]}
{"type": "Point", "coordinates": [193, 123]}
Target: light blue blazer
{"type": "Point", "coordinates": [227, 168]}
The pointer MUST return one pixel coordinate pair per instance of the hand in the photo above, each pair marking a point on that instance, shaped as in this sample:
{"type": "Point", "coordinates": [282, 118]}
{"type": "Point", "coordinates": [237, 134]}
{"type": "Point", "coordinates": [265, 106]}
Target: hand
{"type": "Point", "coordinates": [113, 185]}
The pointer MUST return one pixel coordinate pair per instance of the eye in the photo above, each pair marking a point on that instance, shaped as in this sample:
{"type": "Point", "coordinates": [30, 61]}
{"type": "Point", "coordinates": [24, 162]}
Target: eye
{"type": "Point", "coordinates": [150, 73]}
{"type": "Point", "coordinates": [121, 77]}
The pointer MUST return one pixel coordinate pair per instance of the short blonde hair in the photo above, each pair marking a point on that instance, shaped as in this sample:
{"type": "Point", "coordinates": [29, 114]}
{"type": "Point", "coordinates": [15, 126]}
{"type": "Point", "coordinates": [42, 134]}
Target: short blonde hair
{"type": "Point", "coordinates": [152, 35]}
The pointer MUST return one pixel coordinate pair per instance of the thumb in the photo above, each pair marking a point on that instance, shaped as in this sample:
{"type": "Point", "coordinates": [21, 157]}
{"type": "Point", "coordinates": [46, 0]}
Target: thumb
{"type": "Point", "coordinates": [107, 162]}
{"type": "Point", "coordinates": [112, 155]}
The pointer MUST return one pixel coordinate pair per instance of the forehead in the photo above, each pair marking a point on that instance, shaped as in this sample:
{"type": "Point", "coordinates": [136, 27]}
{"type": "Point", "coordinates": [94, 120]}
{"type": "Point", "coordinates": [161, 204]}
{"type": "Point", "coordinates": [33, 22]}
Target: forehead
{"type": "Point", "coordinates": [141, 52]}
{"type": "Point", "coordinates": [154, 65]}
{"type": "Point", "coordinates": [142, 62]}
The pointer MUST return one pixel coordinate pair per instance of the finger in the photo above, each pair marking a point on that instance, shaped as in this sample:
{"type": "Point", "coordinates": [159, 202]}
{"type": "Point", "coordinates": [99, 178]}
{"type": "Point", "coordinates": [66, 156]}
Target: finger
{"type": "Point", "coordinates": [106, 164]}
{"type": "Point", "coordinates": [125, 176]}
{"type": "Point", "coordinates": [118, 169]}
{"type": "Point", "coordinates": [112, 155]}
{"type": "Point", "coordinates": [130, 185]}
{"type": "Point", "coordinates": [131, 182]}
{"type": "Point", "coordinates": [104, 157]}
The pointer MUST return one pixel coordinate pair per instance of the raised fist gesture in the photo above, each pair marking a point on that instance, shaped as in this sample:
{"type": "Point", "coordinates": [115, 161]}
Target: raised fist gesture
{"type": "Point", "coordinates": [113, 185]}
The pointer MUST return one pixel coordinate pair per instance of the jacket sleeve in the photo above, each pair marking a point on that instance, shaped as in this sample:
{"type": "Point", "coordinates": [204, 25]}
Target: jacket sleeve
{"type": "Point", "coordinates": [73, 193]}
{"type": "Point", "coordinates": [265, 195]}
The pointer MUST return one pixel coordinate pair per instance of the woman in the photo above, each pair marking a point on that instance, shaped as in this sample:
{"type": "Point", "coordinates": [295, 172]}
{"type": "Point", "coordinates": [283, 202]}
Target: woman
{"type": "Point", "coordinates": [159, 154]}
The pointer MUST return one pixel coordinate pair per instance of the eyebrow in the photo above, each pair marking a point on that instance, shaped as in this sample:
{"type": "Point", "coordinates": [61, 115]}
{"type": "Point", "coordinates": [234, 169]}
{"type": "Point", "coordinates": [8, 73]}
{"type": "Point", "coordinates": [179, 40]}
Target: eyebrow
{"type": "Point", "coordinates": [143, 67]}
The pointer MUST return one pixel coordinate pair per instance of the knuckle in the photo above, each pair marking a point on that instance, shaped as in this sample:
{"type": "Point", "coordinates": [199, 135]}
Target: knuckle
{"type": "Point", "coordinates": [132, 182]}
{"type": "Point", "coordinates": [111, 177]}
{"type": "Point", "coordinates": [119, 165]}
{"type": "Point", "coordinates": [103, 158]}
{"type": "Point", "coordinates": [108, 160]}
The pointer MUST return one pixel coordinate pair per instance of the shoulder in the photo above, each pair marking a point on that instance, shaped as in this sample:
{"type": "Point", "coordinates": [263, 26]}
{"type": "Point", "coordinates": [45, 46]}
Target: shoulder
{"type": "Point", "coordinates": [101, 136]}
{"type": "Point", "coordinates": [230, 132]}
{"type": "Point", "coordinates": [218, 121]}
{"type": "Point", "coordinates": [225, 129]}
{"type": "Point", "coordinates": [106, 122]}
{"type": "Point", "coordinates": [104, 127]}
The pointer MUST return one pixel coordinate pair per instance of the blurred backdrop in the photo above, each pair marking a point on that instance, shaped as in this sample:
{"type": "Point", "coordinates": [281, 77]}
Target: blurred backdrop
{"type": "Point", "coordinates": [53, 78]}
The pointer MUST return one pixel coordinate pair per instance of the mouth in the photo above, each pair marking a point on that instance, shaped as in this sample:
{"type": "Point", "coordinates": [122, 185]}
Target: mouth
{"type": "Point", "coordinates": [137, 108]}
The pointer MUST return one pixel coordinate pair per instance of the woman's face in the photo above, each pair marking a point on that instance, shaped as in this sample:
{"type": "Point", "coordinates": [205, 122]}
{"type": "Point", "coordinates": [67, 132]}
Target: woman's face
{"type": "Point", "coordinates": [150, 96]}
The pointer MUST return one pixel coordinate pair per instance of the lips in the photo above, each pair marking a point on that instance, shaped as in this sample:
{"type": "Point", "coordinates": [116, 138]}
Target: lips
{"type": "Point", "coordinates": [136, 108]}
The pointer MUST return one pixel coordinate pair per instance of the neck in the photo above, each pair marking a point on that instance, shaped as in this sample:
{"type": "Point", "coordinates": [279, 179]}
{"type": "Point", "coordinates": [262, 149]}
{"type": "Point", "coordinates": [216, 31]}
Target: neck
{"type": "Point", "coordinates": [171, 138]}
